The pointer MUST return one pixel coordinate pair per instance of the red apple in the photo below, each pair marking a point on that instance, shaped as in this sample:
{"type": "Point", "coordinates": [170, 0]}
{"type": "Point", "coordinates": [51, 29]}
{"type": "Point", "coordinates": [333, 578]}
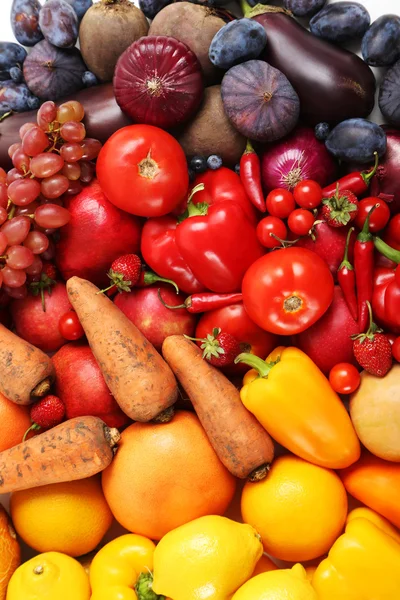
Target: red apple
{"type": "Point", "coordinates": [37, 326]}
{"type": "Point", "coordinates": [81, 386]}
{"type": "Point", "coordinates": [145, 309]}
{"type": "Point", "coordinates": [96, 234]}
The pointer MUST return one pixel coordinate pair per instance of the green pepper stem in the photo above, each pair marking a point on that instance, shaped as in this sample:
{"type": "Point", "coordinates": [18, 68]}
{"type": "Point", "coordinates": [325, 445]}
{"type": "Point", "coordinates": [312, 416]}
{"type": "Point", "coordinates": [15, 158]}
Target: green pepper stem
{"type": "Point", "coordinates": [368, 175]}
{"type": "Point", "coordinates": [249, 148]}
{"type": "Point", "coordinates": [169, 305]}
{"type": "Point", "coordinates": [255, 362]}
{"type": "Point", "coordinates": [365, 235]}
{"type": "Point", "coordinates": [345, 262]}
{"type": "Point", "coordinates": [384, 248]}
{"type": "Point", "coordinates": [150, 277]}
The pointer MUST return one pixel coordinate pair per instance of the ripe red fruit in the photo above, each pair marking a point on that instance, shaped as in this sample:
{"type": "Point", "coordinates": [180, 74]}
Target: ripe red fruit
{"type": "Point", "coordinates": [219, 349]}
{"type": "Point", "coordinates": [340, 209]}
{"type": "Point", "coordinates": [125, 272]}
{"type": "Point", "coordinates": [50, 270]}
{"type": "Point", "coordinates": [46, 413]}
{"type": "Point", "coordinates": [373, 350]}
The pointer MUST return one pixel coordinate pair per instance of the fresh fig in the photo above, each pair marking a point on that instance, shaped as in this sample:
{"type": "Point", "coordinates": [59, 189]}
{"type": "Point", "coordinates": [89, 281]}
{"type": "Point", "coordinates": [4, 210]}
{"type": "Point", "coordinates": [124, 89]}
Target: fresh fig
{"type": "Point", "coordinates": [52, 72]}
{"type": "Point", "coordinates": [25, 21]}
{"type": "Point", "coordinates": [259, 101]}
{"type": "Point", "coordinates": [158, 81]}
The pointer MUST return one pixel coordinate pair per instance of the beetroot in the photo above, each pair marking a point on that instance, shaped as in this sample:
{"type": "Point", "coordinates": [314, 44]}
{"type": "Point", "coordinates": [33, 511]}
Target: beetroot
{"type": "Point", "coordinates": [97, 233]}
{"type": "Point", "coordinates": [36, 326]}
{"type": "Point", "coordinates": [259, 101]}
{"type": "Point", "coordinates": [81, 386]}
{"type": "Point", "coordinates": [158, 81]}
{"type": "Point", "coordinates": [328, 341]}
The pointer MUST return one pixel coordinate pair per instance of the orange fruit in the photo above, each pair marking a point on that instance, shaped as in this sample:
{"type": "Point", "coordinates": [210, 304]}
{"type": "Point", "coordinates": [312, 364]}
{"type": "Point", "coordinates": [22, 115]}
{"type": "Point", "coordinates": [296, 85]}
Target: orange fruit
{"type": "Point", "coordinates": [71, 518]}
{"type": "Point", "coordinates": [166, 475]}
{"type": "Point", "coordinates": [14, 421]}
{"type": "Point", "coordinates": [10, 552]}
{"type": "Point", "coordinates": [299, 510]}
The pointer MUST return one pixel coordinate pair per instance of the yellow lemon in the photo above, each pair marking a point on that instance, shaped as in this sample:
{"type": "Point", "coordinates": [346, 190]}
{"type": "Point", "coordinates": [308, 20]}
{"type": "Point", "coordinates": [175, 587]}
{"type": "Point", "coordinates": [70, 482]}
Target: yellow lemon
{"type": "Point", "coordinates": [49, 576]}
{"type": "Point", "coordinates": [284, 584]}
{"type": "Point", "coordinates": [208, 558]}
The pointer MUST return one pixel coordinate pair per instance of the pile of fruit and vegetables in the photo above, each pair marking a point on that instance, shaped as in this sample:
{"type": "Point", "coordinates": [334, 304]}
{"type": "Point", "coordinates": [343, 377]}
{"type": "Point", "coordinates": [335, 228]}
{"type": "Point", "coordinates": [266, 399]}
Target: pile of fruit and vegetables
{"type": "Point", "coordinates": [199, 301]}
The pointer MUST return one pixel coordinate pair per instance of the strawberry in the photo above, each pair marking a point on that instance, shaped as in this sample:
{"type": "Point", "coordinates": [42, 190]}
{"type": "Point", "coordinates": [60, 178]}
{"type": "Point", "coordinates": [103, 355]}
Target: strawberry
{"type": "Point", "coordinates": [124, 273]}
{"type": "Point", "coordinates": [219, 349]}
{"type": "Point", "coordinates": [46, 413]}
{"type": "Point", "coordinates": [50, 270]}
{"type": "Point", "coordinates": [340, 209]}
{"type": "Point", "coordinates": [372, 350]}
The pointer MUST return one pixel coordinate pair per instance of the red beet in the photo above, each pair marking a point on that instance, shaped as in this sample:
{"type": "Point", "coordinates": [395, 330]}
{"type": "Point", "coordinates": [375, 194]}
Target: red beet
{"type": "Point", "coordinates": [97, 234]}
{"type": "Point", "coordinates": [145, 309]}
{"type": "Point", "coordinates": [158, 81]}
{"type": "Point", "coordinates": [328, 341]}
{"type": "Point", "coordinates": [81, 386]}
{"type": "Point", "coordinates": [36, 326]}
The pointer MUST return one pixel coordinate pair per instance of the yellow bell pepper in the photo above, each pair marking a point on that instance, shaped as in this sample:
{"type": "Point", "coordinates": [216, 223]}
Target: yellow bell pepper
{"type": "Point", "coordinates": [296, 404]}
{"type": "Point", "coordinates": [367, 513]}
{"type": "Point", "coordinates": [363, 564]}
{"type": "Point", "coordinates": [122, 570]}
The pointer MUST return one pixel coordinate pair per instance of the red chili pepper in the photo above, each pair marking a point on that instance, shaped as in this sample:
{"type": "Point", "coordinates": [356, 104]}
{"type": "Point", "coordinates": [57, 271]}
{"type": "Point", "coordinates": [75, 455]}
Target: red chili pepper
{"type": "Point", "coordinates": [347, 279]}
{"type": "Point", "coordinates": [250, 175]}
{"type": "Point", "coordinates": [357, 182]}
{"type": "Point", "coordinates": [199, 303]}
{"type": "Point", "coordinates": [364, 270]}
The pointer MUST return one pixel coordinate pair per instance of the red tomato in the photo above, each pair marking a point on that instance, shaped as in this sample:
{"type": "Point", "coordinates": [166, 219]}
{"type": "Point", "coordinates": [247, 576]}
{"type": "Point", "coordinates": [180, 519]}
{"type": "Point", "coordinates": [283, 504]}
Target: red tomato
{"type": "Point", "coordinates": [308, 194]}
{"type": "Point", "coordinates": [70, 327]}
{"type": "Point", "coordinates": [393, 229]}
{"type": "Point", "coordinates": [280, 203]}
{"type": "Point", "coordinates": [344, 378]}
{"type": "Point", "coordinates": [396, 349]}
{"type": "Point", "coordinates": [287, 290]}
{"type": "Point", "coordinates": [268, 226]}
{"type": "Point", "coordinates": [300, 221]}
{"type": "Point", "coordinates": [378, 219]}
{"type": "Point", "coordinates": [142, 170]}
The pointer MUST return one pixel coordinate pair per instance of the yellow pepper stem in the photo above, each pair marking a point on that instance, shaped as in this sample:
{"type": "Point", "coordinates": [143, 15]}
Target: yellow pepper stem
{"type": "Point", "coordinates": [144, 588]}
{"type": "Point", "coordinates": [255, 362]}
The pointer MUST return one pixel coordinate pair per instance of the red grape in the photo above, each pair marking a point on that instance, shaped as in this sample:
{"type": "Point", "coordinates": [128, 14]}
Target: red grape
{"type": "Point", "coordinates": [54, 186]}
{"type": "Point", "coordinates": [51, 216]}
{"type": "Point", "coordinates": [28, 209]}
{"type": "Point", "coordinates": [21, 161]}
{"type": "Point", "coordinates": [35, 141]}
{"type": "Point", "coordinates": [24, 128]}
{"type": "Point", "coordinates": [91, 148]}
{"type": "Point", "coordinates": [1, 279]}
{"type": "Point", "coordinates": [3, 195]}
{"type": "Point", "coordinates": [18, 293]}
{"type": "Point", "coordinates": [36, 267]}
{"type": "Point", "coordinates": [37, 242]}
{"type": "Point", "coordinates": [50, 252]}
{"type": "Point", "coordinates": [87, 171]}
{"type": "Point", "coordinates": [23, 191]}
{"type": "Point", "coordinates": [3, 242]}
{"type": "Point", "coordinates": [72, 152]}
{"type": "Point", "coordinates": [19, 257]}
{"type": "Point", "coordinates": [3, 215]}
{"type": "Point", "coordinates": [72, 171]}
{"type": "Point", "coordinates": [65, 113]}
{"type": "Point", "coordinates": [13, 148]}
{"type": "Point", "coordinates": [73, 131]}
{"type": "Point", "coordinates": [75, 187]}
{"type": "Point", "coordinates": [13, 278]}
{"type": "Point", "coordinates": [47, 113]}
{"type": "Point", "coordinates": [16, 229]}
{"type": "Point", "coordinates": [3, 175]}
{"type": "Point", "coordinates": [14, 174]}
{"type": "Point", "coordinates": [79, 111]}
{"type": "Point", "coordinates": [46, 164]}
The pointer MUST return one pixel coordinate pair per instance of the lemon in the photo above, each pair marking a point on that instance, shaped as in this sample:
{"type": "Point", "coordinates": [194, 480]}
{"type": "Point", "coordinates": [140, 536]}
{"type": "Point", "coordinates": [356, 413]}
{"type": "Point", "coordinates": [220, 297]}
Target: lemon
{"type": "Point", "coordinates": [49, 576]}
{"type": "Point", "coordinates": [208, 558]}
{"type": "Point", "coordinates": [285, 584]}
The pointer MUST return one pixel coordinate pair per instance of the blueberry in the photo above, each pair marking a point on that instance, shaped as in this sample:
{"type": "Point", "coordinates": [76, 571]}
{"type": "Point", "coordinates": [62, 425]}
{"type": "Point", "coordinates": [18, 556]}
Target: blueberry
{"type": "Point", "coordinates": [152, 7]}
{"type": "Point", "coordinates": [322, 131]}
{"type": "Point", "coordinates": [89, 79]}
{"type": "Point", "coordinates": [59, 23]}
{"type": "Point", "coordinates": [380, 46]}
{"type": "Point", "coordinates": [341, 22]}
{"type": "Point", "coordinates": [214, 162]}
{"type": "Point", "coordinates": [80, 6]}
{"type": "Point", "coordinates": [304, 8]}
{"type": "Point", "coordinates": [356, 140]}
{"type": "Point", "coordinates": [16, 74]}
{"type": "Point", "coordinates": [237, 42]}
{"type": "Point", "coordinates": [198, 164]}
{"type": "Point", "coordinates": [236, 168]}
{"type": "Point", "coordinates": [389, 95]}
{"type": "Point", "coordinates": [11, 55]}
{"type": "Point", "coordinates": [15, 95]}
{"type": "Point", "coordinates": [33, 102]}
{"type": "Point", "coordinates": [25, 21]}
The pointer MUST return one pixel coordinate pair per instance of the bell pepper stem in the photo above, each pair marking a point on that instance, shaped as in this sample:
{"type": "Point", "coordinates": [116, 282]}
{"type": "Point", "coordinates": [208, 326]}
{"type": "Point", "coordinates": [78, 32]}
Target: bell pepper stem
{"type": "Point", "coordinates": [255, 362]}
{"type": "Point", "coordinates": [386, 250]}
{"type": "Point", "coordinates": [368, 175]}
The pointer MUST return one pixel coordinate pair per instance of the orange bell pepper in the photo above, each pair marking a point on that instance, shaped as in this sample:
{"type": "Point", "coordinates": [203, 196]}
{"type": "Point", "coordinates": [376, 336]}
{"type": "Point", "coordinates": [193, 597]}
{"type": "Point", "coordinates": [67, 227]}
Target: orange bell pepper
{"type": "Point", "coordinates": [376, 483]}
{"type": "Point", "coordinates": [296, 404]}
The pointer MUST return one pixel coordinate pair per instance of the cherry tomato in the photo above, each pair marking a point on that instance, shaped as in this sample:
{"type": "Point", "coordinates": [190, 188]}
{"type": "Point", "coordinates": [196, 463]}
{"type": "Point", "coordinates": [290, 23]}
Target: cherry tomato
{"type": "Point", "coordinates": [308, 194]}
{"type": "Point", "coordinates": [379, 218]}
{"type": "Point", "coordinates": [70, 327]}
{"type": "Point", "coordinates": [393, 229]}
{"type": "Point", "coordinates": [280, 203]}
{"type": "Point", "coordinates": [288, 290]}
{"type": "Point", "coordinates": [344, 378]}
{"type": "Point", "coordinates": [143, 170]}
{"type": "Point", "coordinates": [268, 226]}
{"type": "Point", "coordinates": [396, 349]}
{"type": "Point", "coordinates": [300, 221]}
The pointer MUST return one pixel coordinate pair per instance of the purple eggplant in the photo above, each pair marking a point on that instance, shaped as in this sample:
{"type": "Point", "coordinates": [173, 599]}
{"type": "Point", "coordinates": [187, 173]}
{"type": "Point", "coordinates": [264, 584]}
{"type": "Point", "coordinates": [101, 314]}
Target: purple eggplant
{"type": "Point", "coordinates": [333, 84]}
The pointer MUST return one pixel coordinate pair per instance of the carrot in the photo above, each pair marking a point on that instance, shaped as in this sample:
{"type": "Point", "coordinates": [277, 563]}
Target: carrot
{"type": "Point", "coordinates": [76, 449]}
{"type": "Point", "coordinates": [239, 440]}
{"type": "Point", "coordinates": [136, 374]}
{"type": "Point", "coordinates": [26, 373]}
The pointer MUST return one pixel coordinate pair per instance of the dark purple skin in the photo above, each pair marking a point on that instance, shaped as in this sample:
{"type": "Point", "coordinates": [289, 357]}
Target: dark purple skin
{"type": "Point", "coordinates": [389, 95]}
{"type": "Point", "coordinates": [158, 81]}
{"type": "Point", "coordinates": [59, 23]}
{"type": "Point", "coordinates": [51, 72]}
{"type": "Point", "coordinates": [103, 117]}
{"type": "Point", "coordinates": [332, 83]}
{"type": "Point", "coordinates": [25, 21]}
{"type": "Point", "coordinates": [259, 101]}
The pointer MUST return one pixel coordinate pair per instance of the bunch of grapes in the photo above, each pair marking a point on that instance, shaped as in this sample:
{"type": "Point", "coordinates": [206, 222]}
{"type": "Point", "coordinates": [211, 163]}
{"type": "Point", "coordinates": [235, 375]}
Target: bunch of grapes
{"type": "Point", "coordinates": [52, 161]}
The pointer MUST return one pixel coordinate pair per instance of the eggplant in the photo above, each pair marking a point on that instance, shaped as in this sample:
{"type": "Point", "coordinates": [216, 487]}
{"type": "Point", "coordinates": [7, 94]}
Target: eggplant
{"type": "Point", "coordinates": [333, 84]}
{"type": "Point", "coordinates": [103, 117]}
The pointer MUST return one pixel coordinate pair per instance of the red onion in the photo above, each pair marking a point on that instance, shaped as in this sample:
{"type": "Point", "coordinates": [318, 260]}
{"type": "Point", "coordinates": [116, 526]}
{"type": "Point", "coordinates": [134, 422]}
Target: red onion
{"type": "Point", "coordinates": [387, 181]}
{"type": "Point", "coordinates": [297, 157]}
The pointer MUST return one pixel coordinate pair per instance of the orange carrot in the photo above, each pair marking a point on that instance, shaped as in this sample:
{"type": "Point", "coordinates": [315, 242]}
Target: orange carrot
{"type": "Point", "coordinates": [239, 440]}
{"type": "Point", "coordinates": [136, 375]}
{"type": "Point", "coordinates": [76, 449]}
{"type": "Point", "coordinates": [26, 373]}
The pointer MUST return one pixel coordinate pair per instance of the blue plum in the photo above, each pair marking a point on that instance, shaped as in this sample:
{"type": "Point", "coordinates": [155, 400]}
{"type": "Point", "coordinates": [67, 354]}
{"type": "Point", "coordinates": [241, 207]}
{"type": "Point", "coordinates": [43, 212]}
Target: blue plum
{"type": "Point", "coordinates": [237, 42]}
{"type": "Point", "coordinates": [341, 22]}
{"type": "Point", "coordinates": [11, 55]}
{"type": "Point", "coordinates": [380, 46]}
{"type": "Point", "coordinates": [389, 95]}
{"type": "Point", "coordinates": [80, 6]}
{"type": "Point", "coordinates": [356, 140]}
{"type": "Point", "coordinates": [152, 7]}
{"type": "Point", "coordinates": [304, 8]}
{"type": "Point", "coordinates": [59, 23]}
{"type": "Point", "coordinates": [15, 95]}
{"type": "Point", "coordinates": [322, 130]}
{"type": "Point", "coordinates": [16, 74]}
{"type": "Point", "coordinates": [25, 21]}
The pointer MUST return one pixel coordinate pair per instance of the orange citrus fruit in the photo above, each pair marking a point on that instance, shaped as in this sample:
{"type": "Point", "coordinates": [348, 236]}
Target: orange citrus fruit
{"type": "Point", "coordinates": [71, 518]}
{"type": "Point", "coordinates": [10, 553]}
{"type": "Point", "coordinates": [299, 510]}
{"type": "Point", "coordinates": [14, 422]}
{"type": "Point", "coordinates": [166, 475]}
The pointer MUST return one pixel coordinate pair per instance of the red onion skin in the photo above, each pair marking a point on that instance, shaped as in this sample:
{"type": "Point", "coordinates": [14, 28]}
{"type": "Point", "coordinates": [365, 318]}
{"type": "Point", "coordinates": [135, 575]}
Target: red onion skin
{"type": "Point", "coordinates": [299, 156]}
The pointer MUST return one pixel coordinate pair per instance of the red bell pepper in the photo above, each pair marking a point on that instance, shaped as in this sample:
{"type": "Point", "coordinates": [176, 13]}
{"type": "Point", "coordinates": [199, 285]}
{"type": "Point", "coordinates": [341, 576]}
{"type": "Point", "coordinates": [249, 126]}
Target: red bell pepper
{"type": "Point", "coordinates": [386, 294]}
